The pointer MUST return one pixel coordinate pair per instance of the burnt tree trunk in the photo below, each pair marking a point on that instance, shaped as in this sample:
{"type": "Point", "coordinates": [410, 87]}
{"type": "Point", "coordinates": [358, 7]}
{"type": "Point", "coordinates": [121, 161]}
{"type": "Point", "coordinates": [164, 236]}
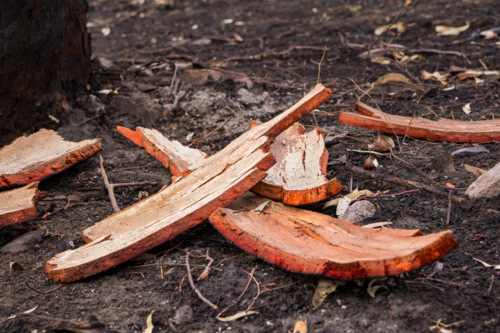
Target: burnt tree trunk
{"type": "Point", "coordinates": [44, 58]}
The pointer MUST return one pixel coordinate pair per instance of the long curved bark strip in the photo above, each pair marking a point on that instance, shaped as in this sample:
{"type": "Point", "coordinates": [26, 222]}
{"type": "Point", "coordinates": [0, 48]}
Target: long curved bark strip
{"type": "Point", "coordinates": [211, 183]}
{"type": "Point", "coordinates": [441, 130]}
{"type": "Point", "coordinates": [19, 205]}
{"type": "Point", "coordinates": [311, 243]}
{"type": "Point", "coordinates": [44, 153]}
{"type": "Point", "coordinates": [299, 176]}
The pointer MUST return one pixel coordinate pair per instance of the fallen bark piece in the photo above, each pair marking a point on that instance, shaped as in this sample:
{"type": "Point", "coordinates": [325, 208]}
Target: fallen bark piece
{"type": "Point", "coordinates": [299, 176]}
{"type": "Point", "coordinates": [207, 185]}
{"type": "Point", "coordinates": [312, 243]}
{"type": "Point", "coordinates": [19, 205]}
{"type": "Point", "coordinates": [441, 130]}
{"type": "Point", "coordinates": [474, 170]}
{"type": "Point", "coordinates": [487, 185]}
{"type": "Point", "coordinates": [172, 154]}
{"type": "Point", "coordinates": [32, 158]}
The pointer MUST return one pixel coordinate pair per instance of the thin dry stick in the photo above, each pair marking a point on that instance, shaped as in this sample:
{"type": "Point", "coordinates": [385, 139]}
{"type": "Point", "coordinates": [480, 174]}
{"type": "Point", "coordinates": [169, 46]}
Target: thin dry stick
{"type": "Point", "coordinates": [449, 209]}
{"type": "Point", "coordinates": [385, 195]}
{"type": "Point", "coordinates": [258, 291]}
{"type": "Point", "coordinates": [173, 78]}
{"type": "Point", "coordinates": [402, 182]}
{"type": "Point", "coordinates": [491, 284]}
{"type": "Point", "coordinates": [48, 291]}
{"type": "Point", "coordinates": [319, 64]}
{"type": "Point", "coordinates": [206, 136]}
{"type": "Point", "coordinates": [240, 255]}
{"type": "Point", "coordinates": [243, 293]}
{"type": "Point", "coordinates": [108, 186]}
{"type": "Point", "coordinates": [111, 187]}
{"type": "Point", "coordinates": [194, 287]}
{"type": "Point", "coordinates": [207, 269]}
{"type": "Point", "coordinates": [236, 113]}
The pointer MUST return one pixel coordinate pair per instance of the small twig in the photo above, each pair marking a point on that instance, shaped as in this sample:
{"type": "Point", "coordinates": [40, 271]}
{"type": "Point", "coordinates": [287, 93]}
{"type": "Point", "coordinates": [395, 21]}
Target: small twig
{"type": "Point", "coordinates": [449, 209]}
{"type": "Point", "coordinates": [206, 136]}
{"type": "Point", "coordinates": [385, 195]}
{"type": "Point", "coordinates": [194, 287]}
{"type": "Point", "coordinates": [173, 78]}
{"type": "Point", "coordinates": [491, 284]}
{"type": "Point", "coordinates": [319, 64]}
{"type": "Point", "coordinates": [240, 255]}
{"type": "Point", "coordinates": [243, 293]}
{"type": "Point", "coordinates": [441, 281]}
{"type": "Point", "coordinates": [402, 182]}
{"type": "Point", "coordinates": [207, 269]}
{"type": "Point", "coordinates": [258, 288]}
{"type": "Point", "coordinates": [236, 113]}
{"type": "Point", "coordinates": [44, 292]}
{"type": "Point", "coordinates": [108, 186]}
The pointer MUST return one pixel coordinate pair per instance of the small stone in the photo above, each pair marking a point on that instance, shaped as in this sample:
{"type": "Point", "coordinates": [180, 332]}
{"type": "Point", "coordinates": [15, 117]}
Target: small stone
{"type": "Point", "coordinates": [359, 211]}
{"type": "Point", "coordinates": [283, 308]}
{"type": "Point", "coordinates": [184, 315]}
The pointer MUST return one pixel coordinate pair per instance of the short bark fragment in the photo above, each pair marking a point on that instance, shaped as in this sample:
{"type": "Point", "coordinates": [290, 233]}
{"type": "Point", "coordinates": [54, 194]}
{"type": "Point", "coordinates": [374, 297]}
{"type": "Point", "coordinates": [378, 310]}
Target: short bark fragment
{"type": "Point", "coordinates": [33, 158]}
{"type": "Point", "coordinates": [19, 205]}
{"type": "Point", "coordinates": [487, 185]}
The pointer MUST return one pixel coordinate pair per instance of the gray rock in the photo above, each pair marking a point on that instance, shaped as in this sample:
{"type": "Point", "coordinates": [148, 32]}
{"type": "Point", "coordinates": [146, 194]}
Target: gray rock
{"type": "Point", "coordinates": [247, 97]}
{"type": "Point", "coordinates": [24, 242]}
{"type": "Point", "coordinates": [184, 315]}
{"type": "Point", "coordinates": [487, 185]}
{"type": "Point", "coordinates": [359, 211]}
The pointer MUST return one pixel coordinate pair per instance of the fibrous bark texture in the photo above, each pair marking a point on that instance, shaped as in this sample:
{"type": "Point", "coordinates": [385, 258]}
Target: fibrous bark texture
{"type": "Point", "coordinates": [40, 155]}
{"type": "Point", "coordinates": [209, 184]}
{"type": "Point", "coordinates": [487, 185]}
{"type": "Point", "coordinates": [44, 55]}
{"type": "Point", "coordinates": [307, 242]}
{"type": "Point", "coordinates": [19, 205]}
{"type": "Point", "coordinates": [441, 130]}
{"type": "Point", "coordinates": [299, 176]}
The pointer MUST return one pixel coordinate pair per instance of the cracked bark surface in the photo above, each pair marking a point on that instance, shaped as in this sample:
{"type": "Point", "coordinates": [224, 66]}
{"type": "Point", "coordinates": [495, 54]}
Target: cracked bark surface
{"type": "Point", "coordinates": [19, 205]}
{"type": "Point", "coordinates": [208, 184]}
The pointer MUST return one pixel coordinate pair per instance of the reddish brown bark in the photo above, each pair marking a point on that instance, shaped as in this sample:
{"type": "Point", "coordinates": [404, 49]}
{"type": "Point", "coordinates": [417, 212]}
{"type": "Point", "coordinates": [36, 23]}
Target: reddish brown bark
{"type": "Point", "coordinates": [32, 158]}
{"type": "Point", "coordinates": [19, 205]}
{"type": "Point", "coordinates": [441, 130]}
{"type": "Point", "coordinates": [212, 183]}
{"type": "Point", "coordinates": [311, 243]}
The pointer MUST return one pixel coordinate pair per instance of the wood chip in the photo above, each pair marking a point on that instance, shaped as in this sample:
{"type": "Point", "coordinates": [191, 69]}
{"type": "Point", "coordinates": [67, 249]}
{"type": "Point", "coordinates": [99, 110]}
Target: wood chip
{"type": "Point", "coordinates": [19, 205]}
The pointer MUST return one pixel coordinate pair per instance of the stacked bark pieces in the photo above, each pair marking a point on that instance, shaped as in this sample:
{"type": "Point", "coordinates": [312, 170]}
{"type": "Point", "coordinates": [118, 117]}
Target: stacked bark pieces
{"type": "Point", "coordinates": [207, 185]}
{"type": "Point", "coordinates": [303, 241]}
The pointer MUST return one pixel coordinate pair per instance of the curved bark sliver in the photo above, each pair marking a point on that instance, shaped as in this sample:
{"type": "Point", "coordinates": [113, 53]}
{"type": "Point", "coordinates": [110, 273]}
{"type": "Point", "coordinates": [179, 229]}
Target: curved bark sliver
{"type": "Point", "coordinates": [19, 205]}
{"type": "Point", "coordinates": [208, 184]}
{"type": "Point", "coordinates": [299, 176]}
{"type": "Point", "coordinates": [42, 154]}
{"type": "Point", "coordinates": [311, 243]}
{"type": "Point", "coordinates": [441, 130]}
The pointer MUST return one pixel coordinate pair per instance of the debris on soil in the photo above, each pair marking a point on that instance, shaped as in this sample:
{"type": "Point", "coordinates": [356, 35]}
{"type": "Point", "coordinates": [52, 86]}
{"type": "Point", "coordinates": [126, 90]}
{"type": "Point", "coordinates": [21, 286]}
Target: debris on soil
{"type": "Point", "coordinates": [19, 205]}
{"type": "Point", "coordinates": [214, 182]}
{"type": "Point", "coordinates": [323, 289]}
{"type": "Point", "coordinates": [33, 158]}
{"type": "Point", "coordinates": [25, 242]}
{"type": "Point", "coordinates": [359, 211]}
{"type": "Point", "coordinates": [353, 196]}
{"type": "Point", "coordinates": [300, 326]}
{"type": "Point", "coordinates": [486, 186]}
{"type": "Point", "coordinates": [184, 315]}
{"type": "Point", "coordinates": [312, 243]}
{"type": "Point", "coordinates": [198, 77]}
{"type": "Point", "coordinates": [474, 170]}
{"type": "Point", "coordinates": [441, 130]}
{"type": "Point", "coordinates": [299, 176]}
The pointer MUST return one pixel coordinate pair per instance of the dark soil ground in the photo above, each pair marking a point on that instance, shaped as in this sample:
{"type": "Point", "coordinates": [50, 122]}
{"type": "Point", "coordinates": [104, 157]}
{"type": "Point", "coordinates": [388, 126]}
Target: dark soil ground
{"type": "Point", "coordinates": [145, 40]}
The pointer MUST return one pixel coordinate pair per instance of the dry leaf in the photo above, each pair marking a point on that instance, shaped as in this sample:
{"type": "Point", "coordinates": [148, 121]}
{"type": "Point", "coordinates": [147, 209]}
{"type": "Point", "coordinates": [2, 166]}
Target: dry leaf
{"type": "Point", "coordinates": [354, 195]}
{"type": "Point", "coordinates": [399, 26]}
{"type": "Point", "coordinates": [237, 37]}
{"type": "Point", "coordinates": [476, 171]}
{"type": "Point", "coordinates": [359, 282]}
{"type": "Point", "coordinates": [237, 315]}
{"type": "Point", "coordinates": [451, 31]}
{"type": "Point", "coordinates": [370, 163]}
{"type": "Point", "coordinates": [381, 60]}
{"type": "Point", "coordinates": [376, 224]}
{"type": "Point", "coordinates": [393, 77]}
{"type": "Point", "coordinates": [449, 166]}
{"type": "Point", "coordinates": [466, 108]}
{"type": "Point", "coordinates": [325, 288]}
{"type": "Point", "coordinates": [372, 290]}
{"type": "Point", "coordinates": [300, 326]}
{"type": "Point", "coordinates": [342, 206]}
{"type": "Point", "coordinates": [15, 267]}
{"type": "Point", "coordinates": [261, 207]}
{"type": "Point", "coordinates": [487, 265]}
{"type": "Point", "coordinates": [149, 323]}
{"type": "Point", "coordinates": [435, 76]}
{"type": "Point", "coordinates": [189, 136]}
{"type": "Point", "coordinates": [383, 143]}
{"type": "Point", "coordinates": [488, 34]}
{"type": "Point", "coordinates": [106, 31]}
{"type": "Point", "coordinates": [204, 274]}
{"type": "Point", "coordinates": [478, 80]}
